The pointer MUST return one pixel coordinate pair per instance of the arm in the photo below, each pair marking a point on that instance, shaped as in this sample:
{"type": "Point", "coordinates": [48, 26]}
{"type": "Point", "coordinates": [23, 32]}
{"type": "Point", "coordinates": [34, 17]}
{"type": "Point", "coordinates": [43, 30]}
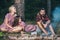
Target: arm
{"type": "Point", "coordinates": [6, 22]}
{"type": "Point", "coordinates": [40, 25]}
{"type": "Point", "coordinates": [48, 20]}
{"type": "Point", "coordinates": [47, 23]}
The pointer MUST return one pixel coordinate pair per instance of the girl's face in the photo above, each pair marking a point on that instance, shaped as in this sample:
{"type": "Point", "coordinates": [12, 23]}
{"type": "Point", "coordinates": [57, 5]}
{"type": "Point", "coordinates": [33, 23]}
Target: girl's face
{"type": "Point", "coordinates": [42, 12]}
{"type": "Point", "coordinates": [14, 9]}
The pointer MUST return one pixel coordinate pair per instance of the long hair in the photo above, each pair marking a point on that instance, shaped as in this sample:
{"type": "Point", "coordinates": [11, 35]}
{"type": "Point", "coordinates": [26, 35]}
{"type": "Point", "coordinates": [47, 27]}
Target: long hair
{"type": "Point", "coordinates": [16, 21]}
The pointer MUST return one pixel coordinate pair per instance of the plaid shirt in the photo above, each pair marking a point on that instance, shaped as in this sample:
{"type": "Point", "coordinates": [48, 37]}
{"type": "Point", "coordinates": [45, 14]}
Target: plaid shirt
{"type": "Point", "coordinates": [43, 18]}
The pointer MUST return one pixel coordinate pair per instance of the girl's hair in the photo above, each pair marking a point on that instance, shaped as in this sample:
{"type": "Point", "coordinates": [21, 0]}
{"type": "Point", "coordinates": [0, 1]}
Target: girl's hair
{"type": "Point", "coordinates": [16, 21]}
{"type": "Point", "coordinates": [10, 8]}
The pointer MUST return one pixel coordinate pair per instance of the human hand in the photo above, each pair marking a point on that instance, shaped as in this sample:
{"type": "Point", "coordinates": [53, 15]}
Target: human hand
{"type": "Point", "coordinates": [11, 27]}
{"type": "Point", "coordinates": [45, 25]}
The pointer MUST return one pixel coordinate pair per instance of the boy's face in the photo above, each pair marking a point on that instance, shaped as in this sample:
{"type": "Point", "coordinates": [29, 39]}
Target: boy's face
{"type": "Point", "coordinates": [42, 12]}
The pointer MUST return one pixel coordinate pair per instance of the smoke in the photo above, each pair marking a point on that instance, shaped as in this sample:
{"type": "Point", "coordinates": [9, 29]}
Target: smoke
{"type": "Point", "coordinates": [56, 16]}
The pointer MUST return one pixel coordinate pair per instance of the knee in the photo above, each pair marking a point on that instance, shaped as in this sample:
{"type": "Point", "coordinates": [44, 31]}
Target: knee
{"type": "Point", "coordinates": [3, 29]}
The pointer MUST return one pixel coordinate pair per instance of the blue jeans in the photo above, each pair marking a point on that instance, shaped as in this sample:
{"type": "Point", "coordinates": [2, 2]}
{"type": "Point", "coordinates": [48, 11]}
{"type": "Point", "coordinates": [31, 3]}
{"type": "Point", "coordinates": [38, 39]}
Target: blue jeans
{"type": "Point", "coordinates": [40, 31]}
{"type": "Point", "coordinates": [37, 30]}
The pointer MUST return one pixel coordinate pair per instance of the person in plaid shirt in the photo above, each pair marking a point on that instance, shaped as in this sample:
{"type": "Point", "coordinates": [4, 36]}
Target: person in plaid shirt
{"type": "Point", "coordinates": [44, 23]}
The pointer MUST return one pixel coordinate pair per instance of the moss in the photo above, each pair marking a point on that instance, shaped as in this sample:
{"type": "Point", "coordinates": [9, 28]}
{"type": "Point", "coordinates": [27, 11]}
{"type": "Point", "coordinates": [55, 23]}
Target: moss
{"type": "Point", "coordinates": [1, 34]}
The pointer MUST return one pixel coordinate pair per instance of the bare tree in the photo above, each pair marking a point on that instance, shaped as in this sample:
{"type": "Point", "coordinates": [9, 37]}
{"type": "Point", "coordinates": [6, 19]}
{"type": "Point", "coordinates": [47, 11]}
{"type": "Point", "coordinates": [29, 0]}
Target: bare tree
{"type": "Point", "coordinates": [49, 7]}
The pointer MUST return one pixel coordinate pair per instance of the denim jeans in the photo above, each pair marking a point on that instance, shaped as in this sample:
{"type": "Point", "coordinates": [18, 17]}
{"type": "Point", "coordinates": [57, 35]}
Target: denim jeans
{"type": "Point", "coordinates": [38, 30]}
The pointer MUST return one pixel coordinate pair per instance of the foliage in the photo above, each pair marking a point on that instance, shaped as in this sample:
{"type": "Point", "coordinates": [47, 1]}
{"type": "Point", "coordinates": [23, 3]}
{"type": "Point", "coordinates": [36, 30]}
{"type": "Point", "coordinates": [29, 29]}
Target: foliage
{"type": "Point", "coordinates": [4, 5]}
{"type": "Point", "coordinates": [1, 33]}
{"type": "Point", "coordinates": [32, 7]}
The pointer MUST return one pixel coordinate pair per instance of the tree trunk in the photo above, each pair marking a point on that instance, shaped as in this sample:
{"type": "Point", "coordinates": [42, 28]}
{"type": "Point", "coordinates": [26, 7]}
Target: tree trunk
{"type": "Point", "coordinates": [49, 7]}
{"type": "Point", "coordinates": [20, 8]}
